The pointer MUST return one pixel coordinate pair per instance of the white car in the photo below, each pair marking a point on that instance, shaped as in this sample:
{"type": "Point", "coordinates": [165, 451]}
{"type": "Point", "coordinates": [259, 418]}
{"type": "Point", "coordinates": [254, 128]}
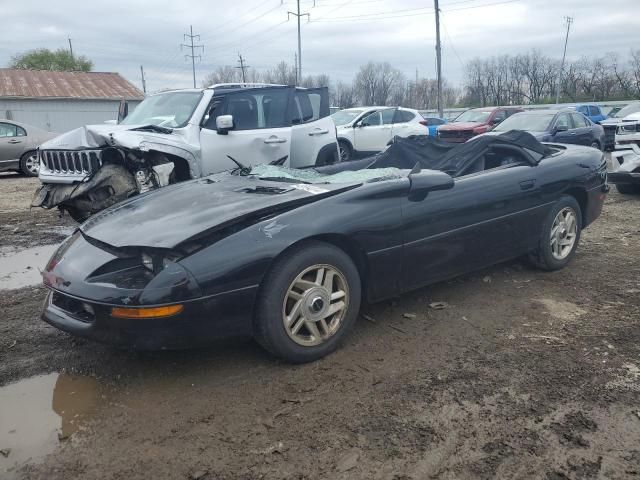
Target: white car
{"type": "Point", "coordinates": [181, 135]}
{"type": "Point", "coordinates": [367, 130]}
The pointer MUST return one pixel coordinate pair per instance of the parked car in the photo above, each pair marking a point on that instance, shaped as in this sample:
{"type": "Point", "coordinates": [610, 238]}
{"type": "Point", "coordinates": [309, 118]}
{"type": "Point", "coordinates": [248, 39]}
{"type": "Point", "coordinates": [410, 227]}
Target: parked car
{"type": "Point", "coordinates": [183, 134]}
{"type": "Point", "coordinates": [474, 122]}
{"type": "Point", "coordinates": [558, 126]}
{"type": "Point", "coordinates": [625, 169]}
{"type": "Point", "coordinates": [592, 112]}
{"type": "Point", "coordinates": [611, 124]}
{"type": "Point", "coordinates": [287, 255]}
{"type": "Point", "coordinates": [19, 147]}
{"type": "Point", "coordinates": [432, 122]}
{"type": "Point", "coordinates": [367, 130]}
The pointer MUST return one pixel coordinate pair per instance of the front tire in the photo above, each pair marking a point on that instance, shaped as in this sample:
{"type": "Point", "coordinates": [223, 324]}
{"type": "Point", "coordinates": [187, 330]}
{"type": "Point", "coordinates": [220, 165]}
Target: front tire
{"type": "Point", "coordinates": [345, 151]}
{"type": "Point", "coordinates": [560, 235]}
{"type": "Point", "coordinates": [627, 188]}
{"type": "Point", "coordinates": [308, 302]}
{"type": "Point", "coordinates": [29, 164]}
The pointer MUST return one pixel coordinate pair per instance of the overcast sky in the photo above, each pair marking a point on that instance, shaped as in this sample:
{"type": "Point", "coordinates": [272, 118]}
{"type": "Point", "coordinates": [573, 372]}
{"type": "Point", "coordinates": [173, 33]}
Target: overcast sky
{"type": "Point", "coordinates": [121, 35]}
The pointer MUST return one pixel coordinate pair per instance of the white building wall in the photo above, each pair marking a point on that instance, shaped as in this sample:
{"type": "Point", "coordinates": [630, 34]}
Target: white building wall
{"type": "Point", "coordinates": [60, 115]}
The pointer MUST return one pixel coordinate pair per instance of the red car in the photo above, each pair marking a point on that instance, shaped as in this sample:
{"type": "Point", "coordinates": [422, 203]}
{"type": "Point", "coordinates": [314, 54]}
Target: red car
{"type": "Point", "coordinates": [474, 122]}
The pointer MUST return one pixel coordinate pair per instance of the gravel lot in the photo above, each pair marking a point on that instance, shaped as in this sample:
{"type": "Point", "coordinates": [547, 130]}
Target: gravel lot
{"type": "Point", "coordinates": [523, 374]}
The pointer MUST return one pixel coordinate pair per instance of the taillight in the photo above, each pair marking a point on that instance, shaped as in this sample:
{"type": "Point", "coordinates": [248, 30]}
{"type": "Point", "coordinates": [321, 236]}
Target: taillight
{"type": "Point", "coordinates": [424, 122]}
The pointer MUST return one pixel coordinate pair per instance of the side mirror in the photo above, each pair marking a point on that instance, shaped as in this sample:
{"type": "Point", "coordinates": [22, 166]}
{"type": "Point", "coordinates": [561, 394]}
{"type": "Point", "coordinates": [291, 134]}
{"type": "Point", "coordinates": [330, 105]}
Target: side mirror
{"type": "Point", "coordinates": [496, 121]}
{"type": "Point", "coordinates": [560, 128]}
{"type": "Point", "coordinates": [224, 123]}
{"type": "Point", "coordinates": [423, 182]}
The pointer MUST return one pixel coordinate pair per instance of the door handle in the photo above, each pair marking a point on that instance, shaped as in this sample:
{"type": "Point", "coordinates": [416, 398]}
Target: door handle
{"type": "Point", "coordinates": [271, 140]}
{"type": "Point", "coordinates": [527, 184]}
{"type": "Point", "coordinates": [14, 141]}
{"type": "Point", "coordinates": [572, 133]}
{"type": "Point", "coordinates": [318, 131]}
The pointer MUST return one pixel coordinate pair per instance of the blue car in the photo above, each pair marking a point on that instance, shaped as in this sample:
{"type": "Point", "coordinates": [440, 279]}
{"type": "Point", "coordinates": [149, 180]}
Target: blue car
{"type": "Point", "coordinates": [557, 126]}
{"type": "Point", "coordinates": [592, 112]}
{"type": "Point", "coordinates": [432, 123]}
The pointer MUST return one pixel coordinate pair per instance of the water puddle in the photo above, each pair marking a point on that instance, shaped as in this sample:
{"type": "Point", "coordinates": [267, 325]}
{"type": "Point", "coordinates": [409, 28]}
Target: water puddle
{"type": "Point", "coordinates": [22, 268]}
{"type": "Point", "coordinates": [38, 413]}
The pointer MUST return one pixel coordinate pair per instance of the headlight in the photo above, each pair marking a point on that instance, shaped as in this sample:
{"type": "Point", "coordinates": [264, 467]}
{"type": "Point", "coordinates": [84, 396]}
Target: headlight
{"type": "Point", "coordinates": [156, 262]}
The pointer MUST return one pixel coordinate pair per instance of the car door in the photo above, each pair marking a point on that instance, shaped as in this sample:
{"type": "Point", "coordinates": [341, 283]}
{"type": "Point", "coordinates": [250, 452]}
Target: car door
{"type": "Point", "coordinates": [261, 132]}
{"type": "Point", "coordinates": [313, 133]}
{"type": "Point", "coordinates": [581, 129]}
{"type": "Point", "coordinates": [487, 217]}
{"type": "Point", "coordinates": [595, 114]}
{"type": "Point", "coordinates": [12, 144]}
{"type": "Point", "coordinates": [583, 109]}
{"type": "Point", "coordinates": [563, 136]}
{"type": "Point", "coordinates": [373, 132]}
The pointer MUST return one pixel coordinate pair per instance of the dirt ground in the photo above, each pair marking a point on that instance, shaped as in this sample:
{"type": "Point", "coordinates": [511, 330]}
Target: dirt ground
{"type": "Point", "coordinates": [523, 374]}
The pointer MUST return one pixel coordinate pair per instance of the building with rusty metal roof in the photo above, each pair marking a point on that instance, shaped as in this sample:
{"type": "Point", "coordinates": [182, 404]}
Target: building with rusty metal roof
{"type": "Point", "coordinates": [61, 101]}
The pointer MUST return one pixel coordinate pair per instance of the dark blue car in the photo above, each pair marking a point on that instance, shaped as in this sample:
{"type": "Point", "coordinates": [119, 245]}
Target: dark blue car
{"type": "Point", "coordinates": [558, 126]}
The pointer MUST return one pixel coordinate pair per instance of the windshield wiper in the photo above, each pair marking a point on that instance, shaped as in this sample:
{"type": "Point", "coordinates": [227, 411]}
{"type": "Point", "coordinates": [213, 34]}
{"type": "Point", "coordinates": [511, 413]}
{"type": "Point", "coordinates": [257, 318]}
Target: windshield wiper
{"type": "Point", "coordinates": [153, 128]}
{"type": "Point", "coordinates": [244, 171]}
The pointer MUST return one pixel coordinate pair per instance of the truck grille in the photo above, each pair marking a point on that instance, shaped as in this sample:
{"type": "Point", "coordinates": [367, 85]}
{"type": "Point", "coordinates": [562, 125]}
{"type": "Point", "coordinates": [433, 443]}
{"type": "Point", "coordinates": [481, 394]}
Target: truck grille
{"type": "Point", "coordinates": [69, 162]}
{"type": "Point", "coordinates": [609, 137]}
{"type": "Point", "coordinates": [457, 136]}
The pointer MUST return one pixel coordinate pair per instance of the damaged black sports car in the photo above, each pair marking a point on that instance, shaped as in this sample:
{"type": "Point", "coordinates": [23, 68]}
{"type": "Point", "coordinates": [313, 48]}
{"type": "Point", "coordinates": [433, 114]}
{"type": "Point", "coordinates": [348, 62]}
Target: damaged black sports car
{"type": "Point", "coordinates": [287, 256]}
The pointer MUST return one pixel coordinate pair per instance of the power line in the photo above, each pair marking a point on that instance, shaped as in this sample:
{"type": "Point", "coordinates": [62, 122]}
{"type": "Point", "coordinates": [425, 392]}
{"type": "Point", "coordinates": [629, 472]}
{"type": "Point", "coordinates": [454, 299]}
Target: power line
{"type": "Point", "coordinates": [193, 56]}
{"type": "Point", "coordinates": [446, 32]}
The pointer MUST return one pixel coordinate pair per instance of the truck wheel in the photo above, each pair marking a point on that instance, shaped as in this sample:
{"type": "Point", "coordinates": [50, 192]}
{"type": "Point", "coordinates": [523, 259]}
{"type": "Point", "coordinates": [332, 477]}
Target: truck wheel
{"type": "Point", "coordinates": [560, 235]}
{"type": "Point", "coordinates": [627, 188]}
{"type": "Point", "coordinates": [79, 216]}
{"type": "Point", "coordinates": [29, 164]}
{"type": "Point", "coordinates": [310, 303]}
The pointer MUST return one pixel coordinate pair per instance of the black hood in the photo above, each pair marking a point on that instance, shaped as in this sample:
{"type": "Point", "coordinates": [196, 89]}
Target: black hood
{"type": "Point", "coordinates": [171, 215]}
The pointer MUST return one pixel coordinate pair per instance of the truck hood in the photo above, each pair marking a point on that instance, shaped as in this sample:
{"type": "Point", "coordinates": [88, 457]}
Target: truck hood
{"type": "Point", "coordinates": [100, 136]}
{"type": "Point", "coordinates": [461, 126]}
{"type": "Point", "coordinates": [172, 215]}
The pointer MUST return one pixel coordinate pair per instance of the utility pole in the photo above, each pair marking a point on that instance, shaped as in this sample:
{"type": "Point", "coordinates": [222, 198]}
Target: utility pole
{"type": "Point", "coordinates": [242, 66]}
{"type": "Point", "coordinates": [193, 56]}
{"type": "Point", "coordinates": [295, 63]}
{"type": "Point", "coordinates": [144, 82]}
{"type": "Point", "coordinates": [569, 21]}
{"type": "Point", "coordinates": [438, 58]}
{"type": "Point", "coordinates": [70, 47]}
{"type": "Point", "coordinates": [299, 73]}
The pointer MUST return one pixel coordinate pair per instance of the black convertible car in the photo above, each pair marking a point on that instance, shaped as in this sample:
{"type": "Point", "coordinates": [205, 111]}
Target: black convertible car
{"type": "Point", "coordinates": [287, 256]}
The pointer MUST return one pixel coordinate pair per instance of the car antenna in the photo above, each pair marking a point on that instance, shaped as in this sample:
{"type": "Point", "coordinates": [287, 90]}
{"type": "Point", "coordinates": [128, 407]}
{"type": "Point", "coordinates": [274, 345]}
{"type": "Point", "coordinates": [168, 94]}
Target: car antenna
{"type": "Point", "coordinates": [243, 170]}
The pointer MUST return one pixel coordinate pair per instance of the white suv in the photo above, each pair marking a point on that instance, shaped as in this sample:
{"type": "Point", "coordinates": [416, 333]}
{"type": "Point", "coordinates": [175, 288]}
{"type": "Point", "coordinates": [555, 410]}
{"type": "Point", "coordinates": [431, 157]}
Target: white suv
{"type": "Point", "coordinates": [367, 130]}
{"type": "Point", "coordinates": [183, 134]}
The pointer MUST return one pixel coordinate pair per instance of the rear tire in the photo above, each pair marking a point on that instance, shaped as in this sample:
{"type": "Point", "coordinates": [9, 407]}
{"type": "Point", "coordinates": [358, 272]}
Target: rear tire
{"type": "Point", "coordinates": [29, 164]}
{"type": "Point", "coordinates": [560, 235]}
{"type": "Point", "coordinates": [627, 188]}
{"type": "Point", "coordinates": [308, 302]}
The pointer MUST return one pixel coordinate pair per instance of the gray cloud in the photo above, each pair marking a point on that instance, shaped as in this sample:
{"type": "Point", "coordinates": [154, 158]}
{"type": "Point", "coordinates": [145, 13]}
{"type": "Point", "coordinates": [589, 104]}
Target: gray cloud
{"type": "Point", "coordinates": [121, 35]}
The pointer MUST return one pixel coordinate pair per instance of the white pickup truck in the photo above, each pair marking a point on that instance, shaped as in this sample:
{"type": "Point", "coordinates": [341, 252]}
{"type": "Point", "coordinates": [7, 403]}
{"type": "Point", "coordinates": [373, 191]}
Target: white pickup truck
{"type": "Point", "coordinates": [183, 134]}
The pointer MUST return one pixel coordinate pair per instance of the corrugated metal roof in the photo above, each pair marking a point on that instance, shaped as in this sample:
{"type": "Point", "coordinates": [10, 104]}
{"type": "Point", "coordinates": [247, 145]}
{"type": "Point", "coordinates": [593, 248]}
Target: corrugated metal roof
{"type": "Point", "coordinates": [49, 84]}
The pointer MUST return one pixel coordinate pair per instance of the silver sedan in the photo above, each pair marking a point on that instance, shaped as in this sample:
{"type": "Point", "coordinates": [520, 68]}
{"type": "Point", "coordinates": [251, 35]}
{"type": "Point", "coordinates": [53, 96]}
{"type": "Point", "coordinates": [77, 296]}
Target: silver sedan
{"type": "Point", "coordinates": [18, 147]}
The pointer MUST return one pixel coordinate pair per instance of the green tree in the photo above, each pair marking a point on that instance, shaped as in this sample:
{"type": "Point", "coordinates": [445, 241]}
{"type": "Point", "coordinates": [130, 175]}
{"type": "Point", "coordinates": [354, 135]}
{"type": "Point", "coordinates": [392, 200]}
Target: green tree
{"type": "Point", "coordinates": [45, 59]}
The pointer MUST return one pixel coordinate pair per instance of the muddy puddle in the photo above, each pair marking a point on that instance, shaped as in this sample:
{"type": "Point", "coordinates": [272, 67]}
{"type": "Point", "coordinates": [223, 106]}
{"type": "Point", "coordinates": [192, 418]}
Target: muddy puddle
{"type": "Point", "coordinates": [22, 268]}
{"type": "Point", "coordinates": [38, 413]}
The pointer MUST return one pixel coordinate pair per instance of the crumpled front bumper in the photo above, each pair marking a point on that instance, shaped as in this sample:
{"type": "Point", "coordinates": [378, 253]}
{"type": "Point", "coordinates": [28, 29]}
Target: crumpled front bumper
{"type": "Point", "coordinates": [625, 166]}
{"type": "Point", "coordinates": [109, 185]}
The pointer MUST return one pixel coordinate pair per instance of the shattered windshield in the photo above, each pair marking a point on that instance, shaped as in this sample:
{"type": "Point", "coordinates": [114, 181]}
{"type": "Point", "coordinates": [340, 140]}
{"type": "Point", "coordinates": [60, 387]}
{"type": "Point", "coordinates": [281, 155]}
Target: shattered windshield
{"type": "Point", "coordinates": [272, 172]}
{"type": "Point", "coordinates": [480, 116]}
{"type": "Point", "coordinates": [171, 109]}
{"type": "Point", "coordinates": [346, 116]}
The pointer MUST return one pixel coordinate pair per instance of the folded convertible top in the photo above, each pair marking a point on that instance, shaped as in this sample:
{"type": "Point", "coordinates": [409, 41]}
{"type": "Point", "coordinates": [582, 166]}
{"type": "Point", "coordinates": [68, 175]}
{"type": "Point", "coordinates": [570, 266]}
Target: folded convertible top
{"type": "Point", "coordinates": [454, 158]}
